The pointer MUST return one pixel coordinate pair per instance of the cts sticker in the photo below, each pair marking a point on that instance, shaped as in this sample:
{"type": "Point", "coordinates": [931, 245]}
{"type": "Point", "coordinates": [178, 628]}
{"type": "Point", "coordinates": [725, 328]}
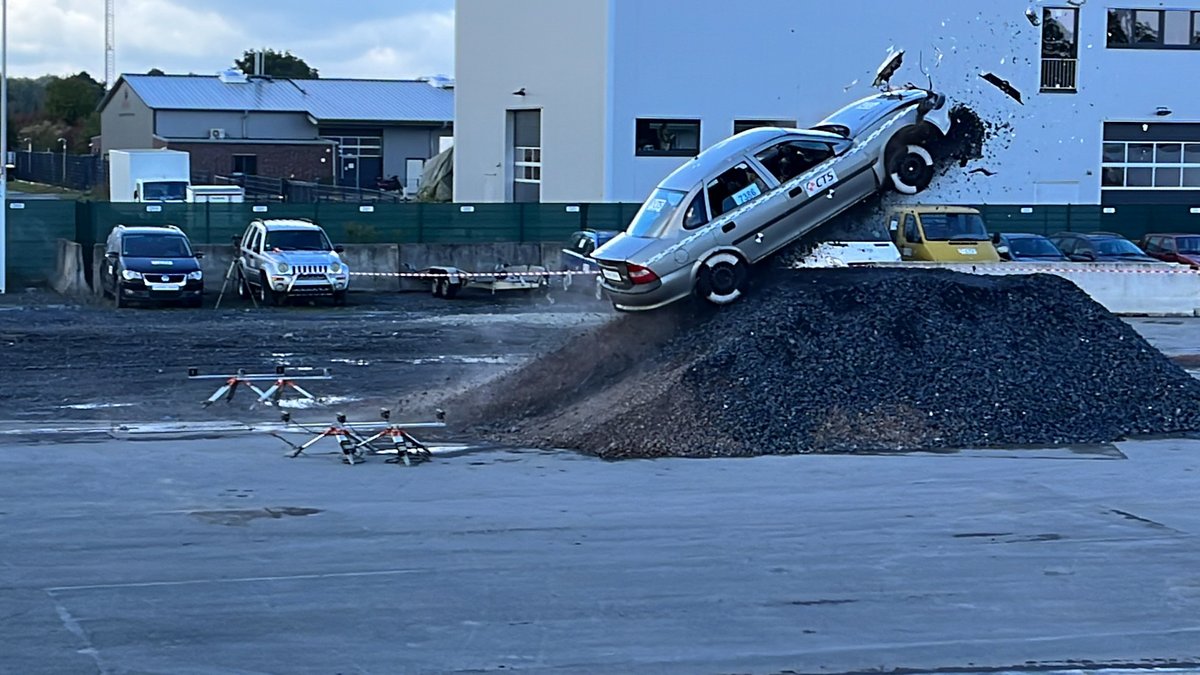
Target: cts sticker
{"type": "Point", "coordinates": [821, 182]}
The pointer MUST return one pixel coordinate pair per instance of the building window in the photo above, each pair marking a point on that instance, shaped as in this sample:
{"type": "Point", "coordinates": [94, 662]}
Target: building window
{"type": "Point", "coordinates": [1134, 165]}
{"type": "Point", "coordinates": [745, 125]}
{"type": "Point", "coordinates": [1060, 48]}
{"type": "Point", "coordinates": [1153, 29]}
{"type": "Point", "coordinates": [358, 146]}
{"type": "Point", "coordinates": [667, 138]}
{"type": "Point", "coordinates": [527, 164]}
{"type": "Point", "coordinates": [246, 165]}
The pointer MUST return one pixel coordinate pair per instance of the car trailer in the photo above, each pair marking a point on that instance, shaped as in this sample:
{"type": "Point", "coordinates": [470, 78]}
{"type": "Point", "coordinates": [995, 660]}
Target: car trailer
{"type": "Point", "coordinates": [448, 282]}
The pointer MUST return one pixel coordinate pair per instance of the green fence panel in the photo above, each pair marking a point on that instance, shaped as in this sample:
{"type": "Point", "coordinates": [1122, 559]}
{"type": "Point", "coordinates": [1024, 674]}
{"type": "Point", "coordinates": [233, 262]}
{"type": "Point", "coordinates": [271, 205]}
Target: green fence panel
{"type": "Point", "coordinates": [470, 223]}
{"type": "Point", "coordinates": [369, 223]}
{"type": "Point", "coordinates": [32, 229]}
{"type": "Point", "coordinates": [606, 217]}
{"type": "Point", "coordinates": [550, 222]}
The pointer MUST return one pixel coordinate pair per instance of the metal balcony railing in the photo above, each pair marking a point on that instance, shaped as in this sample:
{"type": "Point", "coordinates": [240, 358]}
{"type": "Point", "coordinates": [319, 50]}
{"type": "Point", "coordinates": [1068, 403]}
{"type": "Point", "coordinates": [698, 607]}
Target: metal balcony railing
{"type": "Point", "coordinates": [1059, 74]}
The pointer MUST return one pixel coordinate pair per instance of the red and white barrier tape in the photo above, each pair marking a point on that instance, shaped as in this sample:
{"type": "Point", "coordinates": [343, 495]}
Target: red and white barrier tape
{"type": "Point", "coordinates": [443, 275]}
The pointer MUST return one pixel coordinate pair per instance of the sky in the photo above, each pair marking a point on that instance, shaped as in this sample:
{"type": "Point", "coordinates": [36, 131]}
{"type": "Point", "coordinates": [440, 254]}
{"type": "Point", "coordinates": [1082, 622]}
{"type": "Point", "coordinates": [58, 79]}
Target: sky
{"type": "Point", "coordinates": [346, 38]}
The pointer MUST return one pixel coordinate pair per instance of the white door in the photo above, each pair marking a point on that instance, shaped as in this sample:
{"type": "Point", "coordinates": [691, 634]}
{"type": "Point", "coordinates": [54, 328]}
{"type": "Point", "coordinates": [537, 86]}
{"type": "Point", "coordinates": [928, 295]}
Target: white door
{"type": "Point", "coordinates": [412, 174]}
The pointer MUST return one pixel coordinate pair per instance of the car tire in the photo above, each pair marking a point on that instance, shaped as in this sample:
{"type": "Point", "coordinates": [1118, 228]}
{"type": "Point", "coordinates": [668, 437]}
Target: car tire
{"type": "Point", "coordinates": [911, 169]}
{"type": "Point", "coordinates": [266, 294]}
{"type": "Point", "coordinates": [243, 287]}
{"type": "Point", "coordinates": [599, 292]}
{"type": "Point", "coordinates": [723, 279]}
{"type": "Point", "coordinates": [451, 290]}
{"type": "Point", "coordinates": [437, 289]}
{"type": "Point", "coordinates": [118, 301]}
{"type": "Point", "coordinates": [339, 298]}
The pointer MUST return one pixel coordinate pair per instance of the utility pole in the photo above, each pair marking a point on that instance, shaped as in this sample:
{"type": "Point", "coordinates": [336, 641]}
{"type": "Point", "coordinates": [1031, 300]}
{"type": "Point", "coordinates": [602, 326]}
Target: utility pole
{"type": "Point", "coordinates": [110, 47]}
{"type": "Point", "coordinates": [3, 145]}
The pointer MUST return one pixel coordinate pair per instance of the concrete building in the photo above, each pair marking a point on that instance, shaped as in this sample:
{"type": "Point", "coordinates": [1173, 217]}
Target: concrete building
{"type": "Point", "coordinates": [346, 131]}
{"type": "Point", "coordinates": [608, 96]}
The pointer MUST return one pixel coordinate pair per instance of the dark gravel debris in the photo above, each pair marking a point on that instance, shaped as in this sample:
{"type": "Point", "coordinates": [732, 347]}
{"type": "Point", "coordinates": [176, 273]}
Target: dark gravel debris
{"type": "Point", "coordinates": [858, 360]}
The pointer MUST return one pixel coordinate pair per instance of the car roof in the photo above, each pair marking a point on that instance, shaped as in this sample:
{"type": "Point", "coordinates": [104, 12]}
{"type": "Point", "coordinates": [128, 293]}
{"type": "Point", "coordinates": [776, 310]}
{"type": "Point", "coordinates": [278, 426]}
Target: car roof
{"type": "Point", "coordinates": [1023, 235]}
{"type": "Point", "coordinates": [1172, 234]}
{"type": "Point", "coordinates": [718, 157]}
{"type": "Point", "coordinates": [288, 224]}
{"type": "Point", "coordinates": [151, 229]}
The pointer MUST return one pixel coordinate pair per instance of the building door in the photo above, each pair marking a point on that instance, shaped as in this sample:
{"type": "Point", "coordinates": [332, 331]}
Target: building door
{"type": "Point", "coordinates": [412, 174]}
{"type": "Point", "coordinates": [526, 170]}
{"type": "Point", "coordinates": [245, 165]}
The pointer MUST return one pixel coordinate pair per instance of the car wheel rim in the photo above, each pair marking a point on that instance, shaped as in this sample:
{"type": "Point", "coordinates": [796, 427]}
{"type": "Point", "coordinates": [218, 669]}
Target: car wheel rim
{"type": "Point", "coordinates": [724, 279]}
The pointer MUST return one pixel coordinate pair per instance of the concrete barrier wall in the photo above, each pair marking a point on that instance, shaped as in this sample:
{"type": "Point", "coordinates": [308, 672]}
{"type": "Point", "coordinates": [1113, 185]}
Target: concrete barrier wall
{"type": "Point", "coordinates": [1122, 288]}
{"type": "Point", "coordinates": [68, 276]}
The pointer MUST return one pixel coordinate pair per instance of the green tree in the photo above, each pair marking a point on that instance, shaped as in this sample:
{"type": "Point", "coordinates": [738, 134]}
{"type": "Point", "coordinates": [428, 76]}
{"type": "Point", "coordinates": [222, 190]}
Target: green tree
{"type": "Point", "coordinates": [278, 64]}
{"type": "Point", "coordinates": [155, 71]}
{"type": "Point", "coordinates": [73, 99]}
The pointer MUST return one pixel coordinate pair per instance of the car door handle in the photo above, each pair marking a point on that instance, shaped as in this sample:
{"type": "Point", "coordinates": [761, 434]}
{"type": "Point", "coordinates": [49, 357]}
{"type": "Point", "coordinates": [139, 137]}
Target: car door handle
{"type": "Point", "coordinates": [795, 192]}
{"type": "Point", "coordinates": [728, 227]}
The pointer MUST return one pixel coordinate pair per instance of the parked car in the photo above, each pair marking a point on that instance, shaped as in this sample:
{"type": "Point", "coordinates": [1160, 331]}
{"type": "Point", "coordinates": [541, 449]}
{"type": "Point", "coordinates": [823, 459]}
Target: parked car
{"type": "Point", "coordinates": [1025, 247]}
{"type": "Point", "coordinates": [151, 264]}
{"type": "Point", "coordinates": [1099, 247]}
{"type": "Point", "coordinates": [577, 257]}
{"type": "Point", "coordinates": [282, 258]}
{"type": "Point", "coordinates": [745, 198]}
{"type": "Point", "coordinates": [1174, 248]}
{"type": "Point", "coordinates": [941, 234]}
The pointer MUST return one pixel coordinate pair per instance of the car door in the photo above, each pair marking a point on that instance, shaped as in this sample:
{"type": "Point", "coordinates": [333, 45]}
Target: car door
{"type": "Point", "coordinates": [1167, 250]}
{"type": "Point", "coordinates": [796, 207]}
{"type": "Point", "coordinates": [251, 260]}
{"type": "Point", "coordinates": [738, 186]}
{"type": "Point", "coordinates": [108, 269]}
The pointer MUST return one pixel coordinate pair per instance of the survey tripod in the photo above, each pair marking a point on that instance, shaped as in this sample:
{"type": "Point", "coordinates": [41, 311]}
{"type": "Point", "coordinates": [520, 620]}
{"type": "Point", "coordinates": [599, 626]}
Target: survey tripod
{"type": "Point", "coordinates": [281, 383]}
{"type": "Point", "coordinates": [356, 440]}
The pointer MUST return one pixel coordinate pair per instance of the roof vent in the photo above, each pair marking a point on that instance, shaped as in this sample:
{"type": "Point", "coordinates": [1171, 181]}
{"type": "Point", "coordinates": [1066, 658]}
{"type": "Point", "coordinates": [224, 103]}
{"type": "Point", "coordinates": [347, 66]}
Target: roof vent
{"type": "Point", "coordinates": [232, 76]}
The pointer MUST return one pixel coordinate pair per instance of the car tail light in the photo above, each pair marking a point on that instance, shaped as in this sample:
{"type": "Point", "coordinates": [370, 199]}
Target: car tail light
{"type": "Point", "coordinates": [640, 275]}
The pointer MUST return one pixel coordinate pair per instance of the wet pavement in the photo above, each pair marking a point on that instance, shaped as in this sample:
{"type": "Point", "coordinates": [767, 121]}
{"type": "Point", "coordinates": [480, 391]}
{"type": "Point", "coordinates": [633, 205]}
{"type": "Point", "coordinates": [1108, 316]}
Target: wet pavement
{"type": "Point", "coordinates": [208, 551]}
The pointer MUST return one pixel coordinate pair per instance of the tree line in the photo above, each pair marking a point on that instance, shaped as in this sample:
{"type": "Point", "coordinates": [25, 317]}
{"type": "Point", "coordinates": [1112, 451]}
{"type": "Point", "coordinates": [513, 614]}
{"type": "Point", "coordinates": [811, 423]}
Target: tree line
{"type": "Point", "coordinates": [46, 109]}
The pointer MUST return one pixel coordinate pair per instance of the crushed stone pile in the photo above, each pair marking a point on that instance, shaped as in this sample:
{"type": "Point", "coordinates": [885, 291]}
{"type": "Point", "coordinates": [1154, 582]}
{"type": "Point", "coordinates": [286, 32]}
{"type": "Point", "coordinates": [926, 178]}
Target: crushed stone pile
{"type": "Point", "coordinates": [848, 360]}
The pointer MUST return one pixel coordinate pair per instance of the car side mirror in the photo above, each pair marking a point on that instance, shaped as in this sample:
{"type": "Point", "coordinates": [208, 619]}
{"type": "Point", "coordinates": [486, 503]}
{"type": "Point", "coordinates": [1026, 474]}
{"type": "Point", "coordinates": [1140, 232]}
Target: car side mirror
{"type": "Point", "coordinates": [199, 255]}
{"type": "Point", "coordinates": [339, 249]}
{"type": "Point", "coordinates": [112, 255]}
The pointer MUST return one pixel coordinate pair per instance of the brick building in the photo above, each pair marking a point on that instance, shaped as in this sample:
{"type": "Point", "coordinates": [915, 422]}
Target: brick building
{"type": "Point", "coordinates": [339, 131]}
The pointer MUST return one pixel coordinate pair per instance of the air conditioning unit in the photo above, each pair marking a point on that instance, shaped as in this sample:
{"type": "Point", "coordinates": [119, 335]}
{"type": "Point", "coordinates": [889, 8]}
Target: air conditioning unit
{"type": "Point", "coordinates": [216, 134]}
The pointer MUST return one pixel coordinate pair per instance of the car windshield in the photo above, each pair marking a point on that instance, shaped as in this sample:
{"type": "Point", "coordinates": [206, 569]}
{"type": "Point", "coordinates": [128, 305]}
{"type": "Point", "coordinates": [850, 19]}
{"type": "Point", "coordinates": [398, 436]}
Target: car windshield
{"type": "Point", "coordinates": [655, 213]}
{"type": "Point", "coordinates": [297, 240]}
{"type": "Point", "coordinates": [947, 226]}
{"type": "Point", "coordinates": [1033, 246]}
{"type": "Point", "coordinates": [155, 246]}
{"type": "Point", "coordinates": [1117, 247]}
{"type": "Point", "coordinates": [1189, 245]}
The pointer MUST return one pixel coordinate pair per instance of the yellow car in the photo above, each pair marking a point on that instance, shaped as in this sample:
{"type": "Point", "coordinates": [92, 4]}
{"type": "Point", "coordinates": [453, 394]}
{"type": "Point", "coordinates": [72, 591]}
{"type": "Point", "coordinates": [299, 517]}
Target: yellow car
{"type": "Point", "coordinates": [941, 234]}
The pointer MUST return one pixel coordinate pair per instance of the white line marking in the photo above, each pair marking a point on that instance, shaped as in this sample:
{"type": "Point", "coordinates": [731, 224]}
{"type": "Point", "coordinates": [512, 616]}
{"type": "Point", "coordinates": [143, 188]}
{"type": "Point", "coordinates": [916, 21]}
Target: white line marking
{"type": "Point", "coordinates": [74, 628]}
{"type": "Point", "coordinates": [234, 580]}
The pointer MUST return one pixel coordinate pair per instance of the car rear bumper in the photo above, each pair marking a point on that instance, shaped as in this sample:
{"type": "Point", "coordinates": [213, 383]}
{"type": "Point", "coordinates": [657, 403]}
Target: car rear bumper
{"type": "Point", "coordinates": [674, 287]}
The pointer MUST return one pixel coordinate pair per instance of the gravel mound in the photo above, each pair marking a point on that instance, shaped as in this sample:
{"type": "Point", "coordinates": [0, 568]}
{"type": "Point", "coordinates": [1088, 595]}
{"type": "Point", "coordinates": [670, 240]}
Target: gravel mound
{"type": "Point", "coordinates": [848, 360]}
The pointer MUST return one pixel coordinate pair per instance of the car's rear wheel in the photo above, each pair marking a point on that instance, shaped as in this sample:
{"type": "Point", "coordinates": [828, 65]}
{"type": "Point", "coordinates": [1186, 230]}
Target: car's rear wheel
{"type": "Point", "coordinates": [723, 279]}
{"type": "Point", "coordinates": [911, 169]}
{"type": "Point", "coordinates": [118, 300]}
{"type": "Point", "coordinates": [438, 288]}
{"type": "Point", "coordinates": [243, 288]}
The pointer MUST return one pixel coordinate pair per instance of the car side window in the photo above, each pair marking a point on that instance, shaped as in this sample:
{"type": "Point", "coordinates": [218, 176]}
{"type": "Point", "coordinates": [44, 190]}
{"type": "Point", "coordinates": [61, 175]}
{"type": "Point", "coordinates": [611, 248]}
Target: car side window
{"type": "Point", "coordinates": [910, 229]}
{"type": "Point", "coordinates": [1151, 245]}
{"type": "Point", "coordinates": [1066, 245]}
{"type": "Point", "coordinates": [789, 159]}
{"type": "Point", "coordinates": [735, 187]}
{"type": "Point", "coordinates": [256, 241]}
{"type": "Point", "coordinates": [1167, 245]}
{"type": "Point", "coordinates": [696, 214]}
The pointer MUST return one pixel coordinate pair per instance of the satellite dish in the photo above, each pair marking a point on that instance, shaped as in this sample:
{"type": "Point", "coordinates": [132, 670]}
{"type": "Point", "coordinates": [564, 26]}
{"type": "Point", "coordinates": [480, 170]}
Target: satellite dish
{"type": "Point", "coordinates": [888, 68]}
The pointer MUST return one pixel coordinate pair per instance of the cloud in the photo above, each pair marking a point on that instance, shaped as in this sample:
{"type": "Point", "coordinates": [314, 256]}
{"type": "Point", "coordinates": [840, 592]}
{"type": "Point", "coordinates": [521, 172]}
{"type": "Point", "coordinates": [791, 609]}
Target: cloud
{"type": "Point", "coordinates": [60, 37]}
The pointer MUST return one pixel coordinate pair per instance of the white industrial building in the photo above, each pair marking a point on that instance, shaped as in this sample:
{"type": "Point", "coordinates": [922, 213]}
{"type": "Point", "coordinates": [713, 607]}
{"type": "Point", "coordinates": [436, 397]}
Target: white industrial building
{"type": "Point", "coordinates": [597, 100]}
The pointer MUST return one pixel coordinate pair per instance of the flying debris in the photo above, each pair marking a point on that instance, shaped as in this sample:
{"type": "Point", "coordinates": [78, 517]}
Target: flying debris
{"type": "Point", "coordinates": [1033, 17]}
{"type": "Point", "coordinates": [986, 172]}
{"type": "Point", "coordinates": [888, 68]}
{"type": "Point", "coordinates": [1004, 86]}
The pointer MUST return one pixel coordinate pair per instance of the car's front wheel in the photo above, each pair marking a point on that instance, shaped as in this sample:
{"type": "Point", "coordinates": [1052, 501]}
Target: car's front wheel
{"type": "Point", "coordinates": [911, 169]}
{"type": "Point", "coordinates": [266, 295]}
{"type": "Point", "coordinates": [723, 279]}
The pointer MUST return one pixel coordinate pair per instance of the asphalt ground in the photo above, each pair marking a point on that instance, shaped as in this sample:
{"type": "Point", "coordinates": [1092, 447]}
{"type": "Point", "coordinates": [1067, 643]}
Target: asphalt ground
{"type": "Point", "coordinates": [213, 553]}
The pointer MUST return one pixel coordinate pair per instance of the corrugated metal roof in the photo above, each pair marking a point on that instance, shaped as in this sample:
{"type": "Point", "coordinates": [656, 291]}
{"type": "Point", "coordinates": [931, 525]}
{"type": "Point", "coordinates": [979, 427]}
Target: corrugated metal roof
{"type": "Point", "coordinates": [326, 100]}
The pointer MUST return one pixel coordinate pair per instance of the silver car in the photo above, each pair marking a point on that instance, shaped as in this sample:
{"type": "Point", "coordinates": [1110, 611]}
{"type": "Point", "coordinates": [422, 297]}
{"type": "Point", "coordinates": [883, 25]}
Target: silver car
{"type": "Point", "coordinates": [751, 195]}
{"type": "Point", "coordinates": [283, 258]}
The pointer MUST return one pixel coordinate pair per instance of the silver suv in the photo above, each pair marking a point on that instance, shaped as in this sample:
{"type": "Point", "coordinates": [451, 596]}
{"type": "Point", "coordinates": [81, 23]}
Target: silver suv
{"type": "Point", "coordinates": [278, 259]}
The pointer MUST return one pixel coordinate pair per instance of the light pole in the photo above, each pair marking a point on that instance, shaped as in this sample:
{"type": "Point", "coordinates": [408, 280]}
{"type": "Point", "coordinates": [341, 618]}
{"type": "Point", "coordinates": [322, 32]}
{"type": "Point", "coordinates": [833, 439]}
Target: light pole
{"type": "Point", "coordinates": [64, 154]}
{"type": "Point", "coordinates": [3, 144]}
